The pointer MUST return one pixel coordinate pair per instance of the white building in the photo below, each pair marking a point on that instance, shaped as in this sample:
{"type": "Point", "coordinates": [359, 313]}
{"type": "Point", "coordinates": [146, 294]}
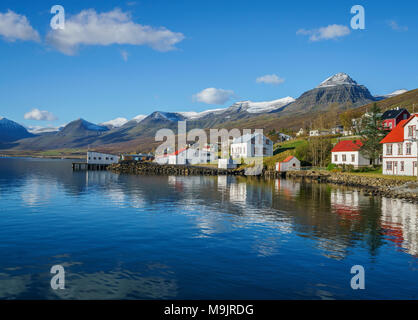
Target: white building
{"type": "Point", "coordinates": [400, 149]}
{"type": "Point", "coordinates": [317, 133]}
{"type": "Point", "coordinates": [101, 158]}
{"type": "Point", "coordinates": [301, 132]}
{"type": "Point", "coordinates": [187, 156]}
{"type": "Point", "coordinates": [289, 164]}
{"type": "Point", "coordinates": [226, 164]}
{"type": "Point", "coordinates": [251, 145]}
{"type": "Point", "coordinates": [348, 152]}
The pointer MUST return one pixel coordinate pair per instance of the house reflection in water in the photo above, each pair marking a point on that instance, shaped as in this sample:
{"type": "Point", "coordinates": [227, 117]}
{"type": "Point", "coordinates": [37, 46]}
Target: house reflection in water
{"type": "Point", "coordinates": [399, 221]}
{"type": "Point", "coordinates": [346, 204]}
{"type": "Point", "coordinates": [289, 188]}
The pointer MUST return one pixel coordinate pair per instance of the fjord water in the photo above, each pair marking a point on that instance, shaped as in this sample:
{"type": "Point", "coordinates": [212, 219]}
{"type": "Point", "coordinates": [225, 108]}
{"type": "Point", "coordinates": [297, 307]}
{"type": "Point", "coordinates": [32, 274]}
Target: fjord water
{"type": "Point", "coordinates": [166, 237]}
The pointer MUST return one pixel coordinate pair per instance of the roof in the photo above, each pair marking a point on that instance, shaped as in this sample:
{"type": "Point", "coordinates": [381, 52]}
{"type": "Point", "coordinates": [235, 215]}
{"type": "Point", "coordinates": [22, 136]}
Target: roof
{"type": "Point", "coordinates": [172, 154]}
{"type": "Point", "coordinates": [288, 159]}
{"type": "Point", "coordinates": [347, 145]}
{"type": "Point", "coordinates": [390, 114]}
{"type": "Point", "coordinates": [397, 133]}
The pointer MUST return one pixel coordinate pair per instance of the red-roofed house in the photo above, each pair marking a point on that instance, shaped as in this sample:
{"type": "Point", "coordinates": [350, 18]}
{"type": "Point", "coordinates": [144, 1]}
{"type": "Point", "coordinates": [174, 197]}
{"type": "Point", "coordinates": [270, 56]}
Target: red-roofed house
{"type": "Point", "coordinates": [288, 164]}
{"type": "Point", "coordinates": [348, 152]}
{"type": "Point", "coordinates": [400, 149]}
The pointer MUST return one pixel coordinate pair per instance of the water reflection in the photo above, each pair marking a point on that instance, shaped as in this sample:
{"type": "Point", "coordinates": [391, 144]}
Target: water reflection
{"type": "Point", "coordinates": [400, 224]}
{"type": "Point", "coordinates": [114, 224]}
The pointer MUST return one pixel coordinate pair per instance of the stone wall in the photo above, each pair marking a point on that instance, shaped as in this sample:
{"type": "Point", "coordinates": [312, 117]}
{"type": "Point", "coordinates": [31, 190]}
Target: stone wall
{"type": "Point", "coordinates": [135, 167]}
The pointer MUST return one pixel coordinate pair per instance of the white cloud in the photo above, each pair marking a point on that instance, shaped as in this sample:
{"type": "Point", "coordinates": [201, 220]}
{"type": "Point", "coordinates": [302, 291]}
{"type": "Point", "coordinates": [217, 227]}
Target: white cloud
{"type": "Point", "coordinates": [270, 79]}
{"type": "Point", "coordinates": [332, 31]}
{"type": "Point", "coordinates": [107, 28]}
{"type": "Point", "coordinates": [214, 96]}
{"type": "Point", "coordinates": [40, 115]}
{"type": "Point", "coordinates": [125, 55]}
{"type": "Point", "coordinates": [395, 26]}
{"type": "Point", "coordinates": [14, 27]}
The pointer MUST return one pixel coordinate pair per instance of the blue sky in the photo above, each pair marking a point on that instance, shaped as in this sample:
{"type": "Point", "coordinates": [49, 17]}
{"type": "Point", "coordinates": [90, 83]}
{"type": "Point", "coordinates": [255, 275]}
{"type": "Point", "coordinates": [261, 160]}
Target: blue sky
{"type": "Point", "coordinates": [224, 44]}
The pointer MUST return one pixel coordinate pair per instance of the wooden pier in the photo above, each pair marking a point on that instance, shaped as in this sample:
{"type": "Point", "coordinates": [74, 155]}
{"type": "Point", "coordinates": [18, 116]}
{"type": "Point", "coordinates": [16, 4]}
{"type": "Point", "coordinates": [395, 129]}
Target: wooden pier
{"type": "Point", "coordinates": [84, 166]}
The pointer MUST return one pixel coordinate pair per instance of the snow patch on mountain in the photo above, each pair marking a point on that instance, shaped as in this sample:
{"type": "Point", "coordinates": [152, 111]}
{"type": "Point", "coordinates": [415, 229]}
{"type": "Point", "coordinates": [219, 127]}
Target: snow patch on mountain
{"type": "Point", "coordinates": [40, 129]}
{"type": "Point", "coordinates": [115, 123]}
{"type": "Point", "coordinates": [266, 106]}
{"type": "Point", "coordinates": [139, 118]}
{"type": "Point", "coordinates": [337, 80]}
{"type": "Point", "coordinates": [395, 93]}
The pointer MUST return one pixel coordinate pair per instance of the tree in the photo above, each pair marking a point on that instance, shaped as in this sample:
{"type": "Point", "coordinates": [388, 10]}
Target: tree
{"type": "Point", "coordinates": [371, 133]}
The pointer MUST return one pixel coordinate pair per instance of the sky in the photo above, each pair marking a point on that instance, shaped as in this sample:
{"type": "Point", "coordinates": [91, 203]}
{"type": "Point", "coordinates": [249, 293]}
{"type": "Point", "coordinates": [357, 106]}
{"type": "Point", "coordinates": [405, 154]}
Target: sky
{"type": "Point", "coordinates": [122, 59]}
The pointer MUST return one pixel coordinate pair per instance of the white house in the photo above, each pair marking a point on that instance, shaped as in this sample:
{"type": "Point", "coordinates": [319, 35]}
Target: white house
{"type": "Point", "coordinates": [348, 152]}
{"type": "Point", "coordinates": [400, 149]}
{"type": "Point", "coordinates": [101, 158]}
{"type": "Point", "coordinates": [288, 164]}
{"type": "Point", "coordinates": [301, 132]}
{"type": "Point", "coordinates": [251, 145]}
{"type": "Point", "coordinates": [317, 133]}
{"type": "Point", "coordinates": [187, 156]}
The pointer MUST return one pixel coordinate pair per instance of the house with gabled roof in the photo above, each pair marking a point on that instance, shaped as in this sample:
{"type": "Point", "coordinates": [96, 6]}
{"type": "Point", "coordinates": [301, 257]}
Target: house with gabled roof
{"type": "Point", "coordinates": [391, 118]}
{"type": "Point", "coordinates": [400, 149]}
{"type": "Point", "coordinates": [288, 164]}
{"type": "Point", "coordinates": [347, 152]}
{"type": "Point", "coordinates": [251, 145]}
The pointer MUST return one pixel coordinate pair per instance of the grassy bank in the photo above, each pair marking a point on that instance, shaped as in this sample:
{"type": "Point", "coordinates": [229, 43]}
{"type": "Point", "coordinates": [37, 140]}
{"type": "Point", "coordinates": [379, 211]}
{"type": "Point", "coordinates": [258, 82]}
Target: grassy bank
{"type": "Point", "coordinates": [52, 154]}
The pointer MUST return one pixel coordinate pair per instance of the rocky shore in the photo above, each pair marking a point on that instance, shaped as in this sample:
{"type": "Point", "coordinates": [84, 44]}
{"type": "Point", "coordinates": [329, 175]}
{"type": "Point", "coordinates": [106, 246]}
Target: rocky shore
{"type": "Point", "coordinates": [371, 186]}
{"type": "Point", "coordinates": [152, 168]}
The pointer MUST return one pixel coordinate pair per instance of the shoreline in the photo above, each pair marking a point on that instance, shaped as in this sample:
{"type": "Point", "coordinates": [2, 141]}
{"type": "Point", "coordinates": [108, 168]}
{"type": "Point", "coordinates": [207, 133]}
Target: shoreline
{"type": "Point", "coordinates": [371, 186]}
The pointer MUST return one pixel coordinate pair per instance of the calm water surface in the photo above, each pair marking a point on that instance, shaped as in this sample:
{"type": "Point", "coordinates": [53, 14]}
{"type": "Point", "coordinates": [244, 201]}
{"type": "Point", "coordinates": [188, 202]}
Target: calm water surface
{"type": "Point", "coordinates": [159, 237]}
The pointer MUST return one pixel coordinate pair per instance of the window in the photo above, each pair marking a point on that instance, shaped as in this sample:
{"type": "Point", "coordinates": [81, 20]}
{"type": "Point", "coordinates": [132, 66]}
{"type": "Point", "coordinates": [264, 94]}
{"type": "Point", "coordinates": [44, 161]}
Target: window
{"type": "Point", "coordinates": [335, 157]}
{"type": "Point", "coordinates": [344, 158]}
{"type": "Point", "coordinates": [390, 125]}
{"type": "Point", "coordinates": [94, 158]}
{"type": "Point", "coordinates": [100, 158]}
{"type": "Point", "coordinates": [411, 130]}
{"type": "Point", "coordinates": [353, 158]}
{"type": "Point", "coordinates": [402, 166]}
{"type": "Point", "coordinates": [408, 148]}
{"type": "Point", "coordinates": [268, 141]}
{"type": "Point", "coordinates": [264, 151]}
{"type": "Point", "coordinates": [389, 149]}
{"type": "Point", "coordinates": [400, 149]}
{"type": "Point", "coordinates": [107, 158]}
{"type": "Point", "coordinates": [405, 116]}
{"type": "Point", "coordinates": [389, 165]}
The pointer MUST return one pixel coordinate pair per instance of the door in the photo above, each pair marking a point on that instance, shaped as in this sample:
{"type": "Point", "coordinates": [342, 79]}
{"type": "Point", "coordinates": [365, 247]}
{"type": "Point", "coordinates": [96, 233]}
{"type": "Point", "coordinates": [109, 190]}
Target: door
{"type": "Point", "coordinates": [414, 168]}
{"type": "Point", "coordinates": [395, 167]}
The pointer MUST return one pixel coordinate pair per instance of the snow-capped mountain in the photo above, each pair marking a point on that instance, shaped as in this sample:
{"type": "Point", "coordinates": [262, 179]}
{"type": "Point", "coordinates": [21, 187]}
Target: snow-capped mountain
{"type": "Point", "coordinates": [115, 123]}
{"type": "Point", "coordinates": [12, 131]}
{"type": "Point", "coordinates": [339, 89]}
{"type": "Point", "coordinates": [337, 80]}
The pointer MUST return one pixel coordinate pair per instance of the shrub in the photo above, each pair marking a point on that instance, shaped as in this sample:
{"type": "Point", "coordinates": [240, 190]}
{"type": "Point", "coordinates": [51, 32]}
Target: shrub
{"type": "Point", "coordinates": [331, 166]}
